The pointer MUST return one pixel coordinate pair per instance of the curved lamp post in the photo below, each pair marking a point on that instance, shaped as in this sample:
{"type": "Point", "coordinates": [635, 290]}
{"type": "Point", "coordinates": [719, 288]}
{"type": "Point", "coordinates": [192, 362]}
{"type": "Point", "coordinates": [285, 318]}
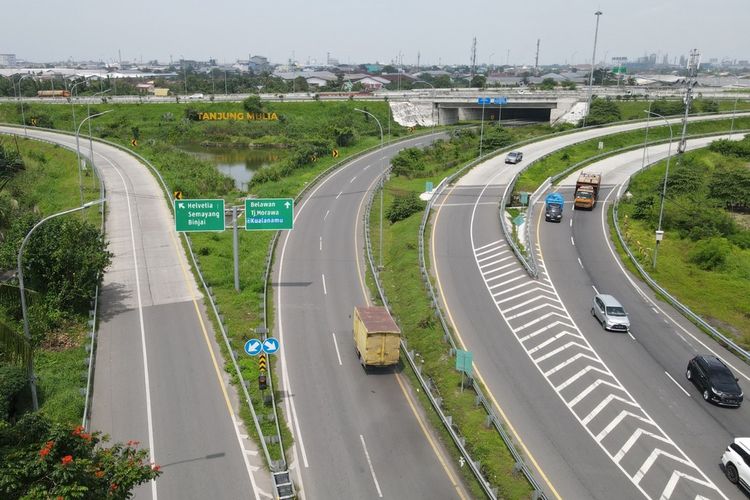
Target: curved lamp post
{"type": "Point", "coordinates": [20, 98]}
{"type": "Point", "coordinates": [659, 232]}
{"type": "Point", "coordinates": [73, 97]}
{"type": "Point", "coordinates": [91, 142]}
{"type": "Point", "coordinates": [381, 187]}
{"type": "Point", "coordinates": [32, 377]}
{"type": "Point", "coordinates": [78, 149]}
{"type": "Point", "coordinates": [593, 59]}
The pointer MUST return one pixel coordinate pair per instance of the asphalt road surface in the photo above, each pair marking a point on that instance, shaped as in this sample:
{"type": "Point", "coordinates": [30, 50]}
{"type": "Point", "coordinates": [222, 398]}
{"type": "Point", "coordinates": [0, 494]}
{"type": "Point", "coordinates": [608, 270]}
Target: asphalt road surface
{"type": "Point", "coordinates": [357, 434]}
{"type": "Point", "coordinates": [541, 369]}
{"type": "Point", "coordinates": [158, 377]}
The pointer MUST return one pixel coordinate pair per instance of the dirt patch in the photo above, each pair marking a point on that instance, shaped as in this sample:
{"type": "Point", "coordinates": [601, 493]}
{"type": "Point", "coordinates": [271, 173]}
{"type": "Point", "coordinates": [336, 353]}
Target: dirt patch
{"type": "Point", "coordinates": [733, 332]}
{"type": "Point", "coordinates": [742, 219]}
{"type": "Point", "coordinates": [61, 341]}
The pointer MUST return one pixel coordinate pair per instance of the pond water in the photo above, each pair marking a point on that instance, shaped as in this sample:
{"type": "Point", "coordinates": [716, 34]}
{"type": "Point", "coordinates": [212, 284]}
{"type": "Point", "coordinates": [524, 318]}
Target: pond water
{"type": "Point", "coordinates": [238, 163]}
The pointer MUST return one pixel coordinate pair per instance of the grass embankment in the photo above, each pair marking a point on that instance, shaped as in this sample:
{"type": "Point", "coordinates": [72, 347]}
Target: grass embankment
{"type": "Point", "coordinates": [402, 282]}
{"type": "Point", "coordinates": [157, 127]}
{"type": "Point", "coordinates": [716, 288]}
{"type": "Point", "coordinates": [557, 162]}
{"type": "Point", "coordinates": [717, 295]}
{"type": "Point", "coordinates": [633, 110]}
{"type": "Point", "coordinates": [49, 184]}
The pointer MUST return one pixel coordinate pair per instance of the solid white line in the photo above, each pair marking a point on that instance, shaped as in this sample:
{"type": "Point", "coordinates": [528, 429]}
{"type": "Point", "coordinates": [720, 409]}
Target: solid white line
{"type": "Point", "coordinates": [321, 243]}
{"type": "Point", "coordinates": [149, 418]}
{"type": "Point", "coordinates": [595, 290]}
{"type": "Point", "coordinates": [678, 385]}
{"type": "Point", "coordinates": [324, 285]}
{"type": "Point", "coordinates": [326, 215]}
{"type": "Point", "coordinates": [352, 179]}
{"type": "Point", "coordinates": [572, 241]}
{"type": "Point", "coordinates": [631, 335]}
{"type": "Point", "coordinates": [580, 263]}
{"type": "Point", "coordinates": [655, 311]}
{"type": "Point", "coordinates": [340, 193]}
{"type": "Point", "coordinates": [369, 462]}
{"type": "Point", "coordinates": [479, 249]}
{"type": "Point", "coordinates": [571, 222]}
{"type": "Point", "coordinates": [336, 345]}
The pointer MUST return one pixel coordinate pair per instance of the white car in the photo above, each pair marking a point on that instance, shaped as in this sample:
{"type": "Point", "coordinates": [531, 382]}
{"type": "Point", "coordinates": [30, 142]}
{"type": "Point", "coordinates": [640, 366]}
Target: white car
{"type": "Point", "coordinates": [736, 461]}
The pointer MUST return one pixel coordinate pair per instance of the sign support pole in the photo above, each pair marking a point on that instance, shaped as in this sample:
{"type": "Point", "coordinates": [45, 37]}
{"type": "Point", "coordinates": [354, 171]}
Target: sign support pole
{"type": "Point", "coordinates": [236, 246]}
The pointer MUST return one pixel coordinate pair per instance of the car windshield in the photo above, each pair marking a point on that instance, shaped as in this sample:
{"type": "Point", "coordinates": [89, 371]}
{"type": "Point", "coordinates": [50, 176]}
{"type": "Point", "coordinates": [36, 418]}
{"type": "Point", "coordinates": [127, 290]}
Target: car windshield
{"type": "Point", "coordinates": [583, 194]}
{"type": "Point", "coordinates": [615, 311]}
{"type": "Point", "coordinates": [723, 378]}
{"type": "Point", "coordinates": [513, 155]}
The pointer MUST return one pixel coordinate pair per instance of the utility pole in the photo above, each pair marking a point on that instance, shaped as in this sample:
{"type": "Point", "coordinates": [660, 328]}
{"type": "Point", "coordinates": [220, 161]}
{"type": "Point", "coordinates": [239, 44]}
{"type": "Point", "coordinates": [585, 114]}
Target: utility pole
{"type": "Point", "coordinates": [692, 71]}
{"type": "Point", "coordinates": [418, 57]}
{"type": "Point", "coordinates": [593, 59]}
{"type": "Point", "coordinates": [473, 57]}
{"type": "Point", "coordinates": [536, 62]}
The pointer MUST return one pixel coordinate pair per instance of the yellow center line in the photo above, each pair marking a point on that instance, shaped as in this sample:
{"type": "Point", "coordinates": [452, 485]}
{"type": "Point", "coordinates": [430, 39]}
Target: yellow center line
{"type": "Point", "coordinates": [476, 369]}
{"type": "Point", "coordinates": [194, 299]}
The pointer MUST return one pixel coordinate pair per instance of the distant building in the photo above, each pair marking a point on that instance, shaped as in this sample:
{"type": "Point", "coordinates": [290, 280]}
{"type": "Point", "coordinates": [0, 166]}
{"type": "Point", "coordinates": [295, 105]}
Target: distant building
{"type": "Point", "coordinates": [8, 60]}
{"type": "Point", "coordinates": [258, 63]}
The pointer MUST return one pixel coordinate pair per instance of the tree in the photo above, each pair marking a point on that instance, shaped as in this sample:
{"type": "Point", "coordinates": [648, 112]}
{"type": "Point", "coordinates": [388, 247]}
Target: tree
{"type": "Point", "coordinates": [403, 206]}
{"type": "Point", "coordinates": [252, 104]}
{"type": "Point", "coordinates": [42, 460]}
{"type": "Point", "coordinates": [547, 84]}
{"type": "Point", "coordinates": [300, 84]}
{"type": "Point", "coordinates": [603, 111]}
{"type": "Point", "coordinates": [443, 82]}
{"type": "Point", "coordinates": [64, 260]}
{"type": "Point", "coordinates": [10, 164]}
{"type": "Point", "coordinates": [479, 81]}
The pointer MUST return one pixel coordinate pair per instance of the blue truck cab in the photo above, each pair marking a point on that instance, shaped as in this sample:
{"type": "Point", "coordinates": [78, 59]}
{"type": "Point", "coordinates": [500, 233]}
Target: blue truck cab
{"type": "Point", "coordinates": [553, 207]}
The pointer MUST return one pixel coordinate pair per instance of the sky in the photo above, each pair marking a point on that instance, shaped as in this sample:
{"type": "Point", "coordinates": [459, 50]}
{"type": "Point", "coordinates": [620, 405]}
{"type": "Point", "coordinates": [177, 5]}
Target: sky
{"type": "Point", "coordinates": [385, 31]}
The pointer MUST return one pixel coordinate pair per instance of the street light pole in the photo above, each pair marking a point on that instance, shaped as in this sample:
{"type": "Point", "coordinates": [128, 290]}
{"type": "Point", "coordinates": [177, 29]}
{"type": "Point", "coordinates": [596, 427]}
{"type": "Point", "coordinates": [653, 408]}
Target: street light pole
{"type": "Point", "coordinates": [78, 149]}
{"type": "Point", "coordinates": [593, 59]}
{"type": "Point", "coordinates": [91, 141]}
{"type": "Point", "coordinates": [645, 139]}
{"type": "Point", "coordinates": [736, 96]}
{"type": "Point", "coordinates": [659, 232]}
{"type": "Point", "coordinates": [20, 98]}
{"type": "Point", "coordinates": [26, 333]}
{"type": "Point", "coordinates": [382, 188]}
{"type": "Point", "coordinates": [481, 131]}
{"type": "Point", "coordinates": [72, 98]}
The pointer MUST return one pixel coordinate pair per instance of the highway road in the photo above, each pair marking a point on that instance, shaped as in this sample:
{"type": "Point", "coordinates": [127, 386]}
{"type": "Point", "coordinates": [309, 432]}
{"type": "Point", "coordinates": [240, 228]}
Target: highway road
{"type": "Point", "coordinates": [159, 377]}
{"type": "Point", "coordinates": [357, 434]}
{"type": "Point", "coordinates": [652, 361]}
{"type": "Point", "coordinates": [516, 328]}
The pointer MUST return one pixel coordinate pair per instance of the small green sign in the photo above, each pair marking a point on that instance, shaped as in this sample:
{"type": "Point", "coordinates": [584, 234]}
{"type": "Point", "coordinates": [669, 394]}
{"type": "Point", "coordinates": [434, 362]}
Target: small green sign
{"type": "Point", "coordinates": [269, 214]}
{"type": "Point", "coordinates": [199, 215]}
{"type": "Point", "coordinates": [619, 69]}
{"type": "Point", "coordinates": [463, 361]}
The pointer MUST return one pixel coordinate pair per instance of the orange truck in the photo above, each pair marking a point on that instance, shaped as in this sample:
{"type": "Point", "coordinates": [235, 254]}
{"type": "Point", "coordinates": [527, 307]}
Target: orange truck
{"type": "Point", "coordinates": [53, 93]}
{"type": "Point", "coordinates": [376, 336]}
{"type": "Point", "coordinates": [587, 189]}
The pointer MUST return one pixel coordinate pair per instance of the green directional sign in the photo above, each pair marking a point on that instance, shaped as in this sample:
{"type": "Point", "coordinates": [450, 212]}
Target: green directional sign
{"type": "Point", "coordinates": [464, 360]}
{"type": "Point", "coordinates": [619, 69]}
{"type": "Point", "coordinates": [269, 214]}
{"type": "Point", "coordinates": [199, 215]}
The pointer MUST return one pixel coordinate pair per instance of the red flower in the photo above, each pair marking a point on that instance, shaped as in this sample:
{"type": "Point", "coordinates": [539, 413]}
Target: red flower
{"type": "Point", "coordinates": [156, 468]}
{"type": "Point", "coordinates": [77, 431]}
{"type": "Point", "coordinates": [113, 486]}
{"type": "Point", "coordinates": [47, 448]}
{"type": "Point", "coordinates": [67, 459]}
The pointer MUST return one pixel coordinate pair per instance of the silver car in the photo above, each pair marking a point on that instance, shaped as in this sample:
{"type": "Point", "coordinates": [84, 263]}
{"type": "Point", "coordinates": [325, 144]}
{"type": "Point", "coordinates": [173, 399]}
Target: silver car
{"type": "Point", "coordinates": [610, 313]}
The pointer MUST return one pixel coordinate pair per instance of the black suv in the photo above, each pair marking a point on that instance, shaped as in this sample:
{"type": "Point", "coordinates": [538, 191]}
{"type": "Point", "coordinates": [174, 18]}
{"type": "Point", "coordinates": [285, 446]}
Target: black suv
{"type": "Point", "coordinates": [711, 376]}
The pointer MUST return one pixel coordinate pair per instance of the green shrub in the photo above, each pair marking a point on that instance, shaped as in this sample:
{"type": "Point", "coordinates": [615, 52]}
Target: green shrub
{"type": "Point", "coordinates": [12, 382]}
{"type": "Point", "coordinates": [408, 162]}
{"type": "Point", "coordinates": [403, 206]}
{"type": "Point", "coordinates": [667, 108]}
{"type": "Point", "coordinates": [741, 239]}
{"type": "Point", "coordinates": [710, 254]}
{"type": "Point", "coordinates": [603, 111]}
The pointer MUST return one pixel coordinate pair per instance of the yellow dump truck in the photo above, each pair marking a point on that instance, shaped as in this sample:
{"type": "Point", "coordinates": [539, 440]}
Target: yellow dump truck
{"type": "Point", "coordinates": [376, 336]}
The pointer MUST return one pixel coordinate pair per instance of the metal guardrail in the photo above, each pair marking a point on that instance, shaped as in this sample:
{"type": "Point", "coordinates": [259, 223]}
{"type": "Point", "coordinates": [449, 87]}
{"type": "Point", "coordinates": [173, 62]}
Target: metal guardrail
{"type": "Point", "coordinates": [530, 263]}
{"type": "Point", "coordinates": [91, 347]}
{"type": "Point", "coordinates": [686, 311]}
{"type": "Point", "coordinates": [446, 419]}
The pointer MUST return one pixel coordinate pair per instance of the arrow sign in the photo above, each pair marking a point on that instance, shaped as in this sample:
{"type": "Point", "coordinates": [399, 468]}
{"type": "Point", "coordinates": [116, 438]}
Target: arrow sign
{"type": "Point", "coordinates": [269, 214]}
{"type": "Point", "coordinates": [199, 215]}
{"type": "Point", "coordinates": [262, 362]}
{"type": "Point", "coordinates": [253, 347]}
{"type": "Point", "coordinates": [270, 345]}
